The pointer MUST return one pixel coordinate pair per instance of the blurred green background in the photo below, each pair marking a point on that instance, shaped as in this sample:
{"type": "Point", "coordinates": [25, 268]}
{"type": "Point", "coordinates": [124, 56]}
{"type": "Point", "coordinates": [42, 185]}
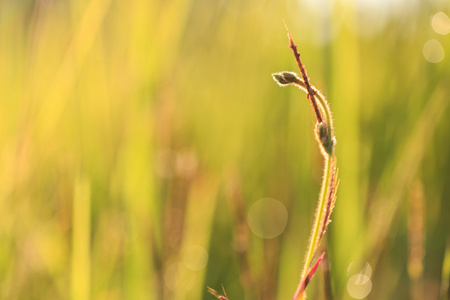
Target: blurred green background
{"type": "Point", "coordinates": [146, 152]}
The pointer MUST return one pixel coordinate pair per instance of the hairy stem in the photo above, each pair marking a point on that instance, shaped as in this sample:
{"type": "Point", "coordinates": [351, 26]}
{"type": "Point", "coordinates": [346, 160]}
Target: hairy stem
{"type": "Point", "coordinates": [325, 137]}
{"type": "Point", "coordinates": [314, 241]}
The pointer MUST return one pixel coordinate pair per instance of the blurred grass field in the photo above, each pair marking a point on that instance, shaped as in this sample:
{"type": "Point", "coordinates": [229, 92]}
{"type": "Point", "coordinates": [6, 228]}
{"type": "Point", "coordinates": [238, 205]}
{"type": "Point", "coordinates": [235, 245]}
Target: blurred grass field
{"type": "Point", "coordinates": [141, 141]}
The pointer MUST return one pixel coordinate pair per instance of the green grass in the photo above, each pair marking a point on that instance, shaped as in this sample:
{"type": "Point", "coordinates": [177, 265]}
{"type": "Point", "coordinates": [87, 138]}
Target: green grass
{"type": "Point", "coordinates": [121, 124]}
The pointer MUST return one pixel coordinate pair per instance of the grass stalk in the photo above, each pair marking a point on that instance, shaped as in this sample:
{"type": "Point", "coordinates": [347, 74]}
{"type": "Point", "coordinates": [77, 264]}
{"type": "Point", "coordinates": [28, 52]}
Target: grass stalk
{"type": "Point", "coordinates": [314, 241]}
{"type": "Point", "coordinates": [325, 137]}
{"type": "Point", "coordinates": [324, 134]}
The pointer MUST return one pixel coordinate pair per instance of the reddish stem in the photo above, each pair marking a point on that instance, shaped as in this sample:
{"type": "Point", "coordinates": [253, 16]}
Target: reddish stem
{"type": "Point", "coordinates": [304, 282]}
{"type": "Point", "coordinates": [311, 92]}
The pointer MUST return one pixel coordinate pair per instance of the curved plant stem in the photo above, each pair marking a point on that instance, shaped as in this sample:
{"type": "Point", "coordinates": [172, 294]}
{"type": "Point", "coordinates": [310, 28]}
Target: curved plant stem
{"type": "Point", "coordinates": [325, 137]}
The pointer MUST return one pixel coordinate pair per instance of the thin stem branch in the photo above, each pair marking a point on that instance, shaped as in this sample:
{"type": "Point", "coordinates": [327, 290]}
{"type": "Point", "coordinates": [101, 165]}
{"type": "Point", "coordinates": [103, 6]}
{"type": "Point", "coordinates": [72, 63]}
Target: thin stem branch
{"type": "Point", "coordinates": [311, 92]}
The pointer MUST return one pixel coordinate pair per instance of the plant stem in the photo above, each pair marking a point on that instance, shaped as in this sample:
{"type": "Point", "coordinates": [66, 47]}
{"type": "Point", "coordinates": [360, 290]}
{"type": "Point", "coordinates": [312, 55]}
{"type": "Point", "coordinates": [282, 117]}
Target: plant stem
{"type": "Point", "coordinates": [326, 140]}
{"type": "Point", "coordinates": [313, 243]}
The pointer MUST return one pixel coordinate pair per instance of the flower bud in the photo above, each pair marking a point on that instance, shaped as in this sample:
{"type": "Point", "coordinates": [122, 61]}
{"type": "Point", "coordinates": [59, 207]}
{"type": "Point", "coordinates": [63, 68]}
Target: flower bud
{"type": "Point", "coordinates": [323, 137]}
{"type": "Point", "coordinates": [286, 78]}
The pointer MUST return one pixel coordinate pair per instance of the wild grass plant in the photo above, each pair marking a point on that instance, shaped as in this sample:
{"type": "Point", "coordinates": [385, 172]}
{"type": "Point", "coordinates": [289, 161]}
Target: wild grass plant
{"type": "Point", "coordinates": [324, 133]}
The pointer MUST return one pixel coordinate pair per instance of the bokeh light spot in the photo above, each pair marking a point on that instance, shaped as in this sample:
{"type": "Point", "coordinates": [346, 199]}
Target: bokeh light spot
{"type": "Point", "coordinates": [365, 270]}
{"type": "Point", "coordinates": [164, 163]}
{"type": "Point", "coordinates": [359, 286]}
{"type": "Point", "coordinates": [441, 23]}
{"type": "Point", "coordinates": [179, 277]}
{"type": "Point", "coordinates": [433, 51]}
{"type": "Point", "coordinates": [267, 218]}
{"type": "Point", "coordinates": [195, 257]}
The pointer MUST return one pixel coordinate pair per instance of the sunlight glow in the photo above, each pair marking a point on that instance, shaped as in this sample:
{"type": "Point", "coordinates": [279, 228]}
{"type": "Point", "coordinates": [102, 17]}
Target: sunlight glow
{"type": "Point", "coordinates": [359, 285]}
{"type": "Point", "coordinates": [441, 23]}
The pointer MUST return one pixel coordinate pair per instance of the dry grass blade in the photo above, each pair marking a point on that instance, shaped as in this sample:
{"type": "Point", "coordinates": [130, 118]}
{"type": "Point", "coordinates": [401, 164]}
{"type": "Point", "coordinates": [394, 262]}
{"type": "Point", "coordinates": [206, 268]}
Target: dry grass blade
{"type": "Point", "coordinates": [217, 294]}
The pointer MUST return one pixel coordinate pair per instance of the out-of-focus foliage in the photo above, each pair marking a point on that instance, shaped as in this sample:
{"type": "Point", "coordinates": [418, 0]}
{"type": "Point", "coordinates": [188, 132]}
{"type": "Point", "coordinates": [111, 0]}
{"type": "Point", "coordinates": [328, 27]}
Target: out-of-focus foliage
{"type": "Point", "coordinates": [146, 153]}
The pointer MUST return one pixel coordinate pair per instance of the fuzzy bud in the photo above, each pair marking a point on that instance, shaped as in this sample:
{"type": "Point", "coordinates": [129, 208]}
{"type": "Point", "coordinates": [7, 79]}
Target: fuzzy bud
{"type": "Point", "coordinates": [323, 137]}
{"type": "Point", "coordinates": [286, 78]}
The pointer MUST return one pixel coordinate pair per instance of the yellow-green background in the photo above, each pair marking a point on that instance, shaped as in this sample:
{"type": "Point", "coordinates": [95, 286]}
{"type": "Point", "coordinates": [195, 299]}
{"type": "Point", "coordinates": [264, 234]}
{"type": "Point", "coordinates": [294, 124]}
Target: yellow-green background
{"type": "Point", "coordinates": [133, 130]}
